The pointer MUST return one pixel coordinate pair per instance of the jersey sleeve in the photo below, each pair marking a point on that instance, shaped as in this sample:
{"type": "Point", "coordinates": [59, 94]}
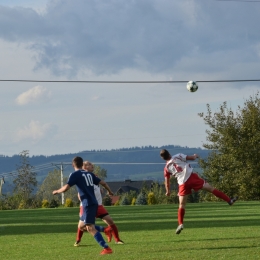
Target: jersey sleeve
{"type": "Point", "coordinates": [72, 180]}
{"type": "Point", "coordinates": [167, 174]}
{"type": "Point", "coordinates": [183, 156]}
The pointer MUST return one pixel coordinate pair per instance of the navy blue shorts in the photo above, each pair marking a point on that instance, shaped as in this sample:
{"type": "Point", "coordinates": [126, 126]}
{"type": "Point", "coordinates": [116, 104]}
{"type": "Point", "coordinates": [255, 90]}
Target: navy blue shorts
{"type": "Point", "coordinates": [89, 214]}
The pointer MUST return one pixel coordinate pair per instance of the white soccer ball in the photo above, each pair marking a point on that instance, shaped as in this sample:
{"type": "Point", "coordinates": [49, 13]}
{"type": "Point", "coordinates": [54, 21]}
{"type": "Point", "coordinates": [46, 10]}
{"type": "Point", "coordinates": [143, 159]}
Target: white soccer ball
{"type": "Point", "coordinates": [192, 86]}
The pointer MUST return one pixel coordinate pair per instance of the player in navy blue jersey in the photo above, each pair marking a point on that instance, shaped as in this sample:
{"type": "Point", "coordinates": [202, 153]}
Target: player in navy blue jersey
{"type": "Point", "coordinates": [85, 185]}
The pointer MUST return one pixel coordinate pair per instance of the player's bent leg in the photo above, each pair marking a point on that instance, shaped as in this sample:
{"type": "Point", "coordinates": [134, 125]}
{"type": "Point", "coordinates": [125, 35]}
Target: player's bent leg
{"type": "Point", "coordinates": [100, 240]}
{"type": "Point", "coordinates": [82, 226]}
{"type": "Point", "coordinates": [219, 194]}
{"type": "Point", "coordinates": [109, 221]}
{"type": "Point", "coordinates": [78, 238]}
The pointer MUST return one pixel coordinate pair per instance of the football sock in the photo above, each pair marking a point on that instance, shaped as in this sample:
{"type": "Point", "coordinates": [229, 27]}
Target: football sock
{"type": "Point", "coordinates": [221, 195]}
{"type": "Point", "coordinates": [115, 232]}
{"type": "Point", "coordinates": [98, 237]}
{"type": "Point", "coordinates": [99, 228]}
{"type": "Point", "coordinates": [79, 235]}
{"type": "Point", "coordinates": [181, 213]}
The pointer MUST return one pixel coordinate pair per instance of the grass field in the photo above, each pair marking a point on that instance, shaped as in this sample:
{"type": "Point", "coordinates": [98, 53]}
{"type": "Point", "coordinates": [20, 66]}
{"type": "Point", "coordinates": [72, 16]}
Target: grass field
{"type": "Point", "coordinates": [212, 231]}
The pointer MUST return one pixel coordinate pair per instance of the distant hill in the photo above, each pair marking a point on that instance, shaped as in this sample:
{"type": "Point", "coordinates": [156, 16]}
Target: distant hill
{"type": "Point", "coordinates": [136, 163]}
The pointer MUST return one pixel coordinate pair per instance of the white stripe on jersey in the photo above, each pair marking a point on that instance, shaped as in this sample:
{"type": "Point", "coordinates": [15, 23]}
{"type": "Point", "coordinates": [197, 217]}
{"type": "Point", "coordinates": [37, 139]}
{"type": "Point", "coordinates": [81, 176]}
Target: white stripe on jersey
{"type": "Point", "coordinates": [98, 194]}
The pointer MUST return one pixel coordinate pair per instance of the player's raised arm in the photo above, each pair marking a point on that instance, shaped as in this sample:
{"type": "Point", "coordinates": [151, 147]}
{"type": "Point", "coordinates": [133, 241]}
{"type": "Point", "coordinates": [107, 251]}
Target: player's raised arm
{"type": "Point", "coordinates": [105, 185]}
{"type": "Point", "coordinates": [62, 189]}
{"type": "Point", "coordinates": [192, 157]}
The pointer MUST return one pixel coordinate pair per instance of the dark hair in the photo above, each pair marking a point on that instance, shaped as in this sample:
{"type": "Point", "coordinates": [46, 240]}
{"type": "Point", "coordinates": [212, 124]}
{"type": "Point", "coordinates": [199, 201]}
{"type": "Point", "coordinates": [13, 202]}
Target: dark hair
{"type": "Point", "coordinates": [165, 154]}
{"type": "Point", "coordinates": [78, 162]}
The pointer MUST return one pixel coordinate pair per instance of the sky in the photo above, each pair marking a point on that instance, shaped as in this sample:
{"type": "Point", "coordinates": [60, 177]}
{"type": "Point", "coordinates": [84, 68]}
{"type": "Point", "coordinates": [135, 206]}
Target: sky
{"type": "Point", "coordinates": [120, 40]}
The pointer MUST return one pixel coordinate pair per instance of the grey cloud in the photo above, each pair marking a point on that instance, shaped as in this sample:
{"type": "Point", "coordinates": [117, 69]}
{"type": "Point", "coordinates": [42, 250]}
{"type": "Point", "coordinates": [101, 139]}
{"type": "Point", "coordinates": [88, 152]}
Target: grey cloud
{"type": "Point", "coordinates": [107, 36]}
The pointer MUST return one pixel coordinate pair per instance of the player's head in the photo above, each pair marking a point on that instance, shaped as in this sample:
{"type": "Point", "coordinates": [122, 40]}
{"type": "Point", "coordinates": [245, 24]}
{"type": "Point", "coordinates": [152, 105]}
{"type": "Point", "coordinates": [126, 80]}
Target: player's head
{"type": "Point", "coordinates": [88, 166]}
{"type": "Point", "coordinates": [165, 154]}
{"type": "Point", "coordinates": [77, 162]}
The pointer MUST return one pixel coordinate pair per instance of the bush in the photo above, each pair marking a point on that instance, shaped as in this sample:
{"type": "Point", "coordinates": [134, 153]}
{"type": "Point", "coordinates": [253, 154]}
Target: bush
{"type": "Point", "coordinates": [151, 198]}
{"type": "Point", "coordinates": [193, 197]}
{"type": "Point", "coordinates": [173, 198]}
{"type": "Point", "coordinates": [107, 201]}
{"type": "Point", "coordinates": [45, 204]}
{"type": "Point", "coordinates": [54, 204]}
{"type": "Point", "coordinates": [117, 203]}
{"type": "Point", "coordinates": [141, 199]}
{"type": "Point", "coordinates": [124, 200]}
{"type": "Point", "coordinates": [68, 203]}
{"type": "Point", "coordinates": [133, 201]}
{"type": "Point", "coordinates": [22, 204]}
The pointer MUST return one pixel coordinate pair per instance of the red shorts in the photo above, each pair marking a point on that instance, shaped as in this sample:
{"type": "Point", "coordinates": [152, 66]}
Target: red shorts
{"type": "Point", "coordinates": [101, 211]}
{"type": "Point", "coordinates": [193, 183]}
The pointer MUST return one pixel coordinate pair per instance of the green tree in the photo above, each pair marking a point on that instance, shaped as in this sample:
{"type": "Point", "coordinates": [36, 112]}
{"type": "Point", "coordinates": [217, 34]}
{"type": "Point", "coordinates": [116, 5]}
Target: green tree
{"type": "Point", "coordinates": [100, 172]}
{"type": "Point", "coordinates": [124, 200]}
{"type": "Point", "coordinates": [141, 199]}
{"type": "Point", "coordinates": [234, 138]}
{"type": "Point", "coordinates": [52, 182]}
{"type": "Point", "coordinates": [25, 182]}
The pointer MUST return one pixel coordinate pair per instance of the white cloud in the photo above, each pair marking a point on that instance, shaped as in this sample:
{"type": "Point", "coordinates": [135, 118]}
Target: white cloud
{"type": "Point", "coordinates": [35, 131]}
{"type": "Point", "coordinates": [33, 95]}
{"type": "Point", "coordinates": [107, 36]}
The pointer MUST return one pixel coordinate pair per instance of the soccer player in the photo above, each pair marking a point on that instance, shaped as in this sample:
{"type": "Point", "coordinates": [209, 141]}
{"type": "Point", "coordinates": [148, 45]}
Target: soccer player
{"type": "Point", "coordinates": [101, 213]}
{"type": "Point", "coordinates": [178, 167]}
{"type": "Point", "coordinates": [85, 182]}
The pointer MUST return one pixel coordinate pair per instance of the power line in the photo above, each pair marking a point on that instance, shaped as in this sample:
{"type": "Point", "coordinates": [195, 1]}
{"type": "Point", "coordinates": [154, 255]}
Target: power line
{"type": "Point", "coordinates": [127, 82]}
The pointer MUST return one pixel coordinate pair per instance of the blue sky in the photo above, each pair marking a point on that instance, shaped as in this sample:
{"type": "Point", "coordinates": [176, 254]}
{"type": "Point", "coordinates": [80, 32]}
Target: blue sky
{"type": "Point", "coordinates": [115, 40]}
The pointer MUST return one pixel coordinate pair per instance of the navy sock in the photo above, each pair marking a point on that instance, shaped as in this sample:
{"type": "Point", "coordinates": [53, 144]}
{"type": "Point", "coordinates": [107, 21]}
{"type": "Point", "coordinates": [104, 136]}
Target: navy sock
{"type": "Point", "coordinates": [99, 228]}
{"type": "Point", "coordinates": [98, 237]}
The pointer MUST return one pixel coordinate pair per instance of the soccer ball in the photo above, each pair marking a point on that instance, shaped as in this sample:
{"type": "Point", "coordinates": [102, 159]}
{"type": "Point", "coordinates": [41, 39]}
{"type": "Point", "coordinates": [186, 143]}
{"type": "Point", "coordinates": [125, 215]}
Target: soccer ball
{"type": "Point", "coordinates": [192, 86]}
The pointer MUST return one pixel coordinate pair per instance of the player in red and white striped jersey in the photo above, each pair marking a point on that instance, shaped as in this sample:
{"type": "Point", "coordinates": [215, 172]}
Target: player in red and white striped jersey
{"type": "Point", "coordinates": [178, 167]}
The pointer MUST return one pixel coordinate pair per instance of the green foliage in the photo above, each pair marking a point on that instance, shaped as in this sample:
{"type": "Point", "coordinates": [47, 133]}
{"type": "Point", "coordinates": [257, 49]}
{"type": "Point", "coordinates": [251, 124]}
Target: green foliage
{"type": "Point", "coordinates": [100, 172]}
{"type": "Point", "coordinates": [53, 182]}
{"type": "Point", "coordinates": [117, 203]}
{"type": "Point", "coordinates": [173, 198]}
{"type": "Point", "coordinates": [22, 204]}
{"type": "Point", "coordinates": [194, 197]}
{"type": "Point", "coordinates": [68, 203]}
{"type": "Point", "coordinates": [159, 193]}
{"type": "Point", "coordinates": [124, 200]}
{"type": "Point", "coordinates": [107, 201]}
{"type": "Point", "coordinates": [45, 204]}
{"type": "Point", "coordinates": [130, 195]}
{"type": "Point", "coordinates": [54, 204]}
{"type": "Point", "coordinates": [151, 200]}
{"type": "Point", "coordinates": [50, 183]}
{"type": "Point", "coordinates": [133, 201]}
{"type": "Point", "coordinates": [26, 181]}
{"type": "Point", "coordinates": [141, 199]}
{"type": "Point", "coordinates": [234, 137]}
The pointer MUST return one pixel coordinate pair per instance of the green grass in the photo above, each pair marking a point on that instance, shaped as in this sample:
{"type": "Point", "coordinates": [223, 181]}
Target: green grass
{"type": "Point", "coordinates": [212, 231]}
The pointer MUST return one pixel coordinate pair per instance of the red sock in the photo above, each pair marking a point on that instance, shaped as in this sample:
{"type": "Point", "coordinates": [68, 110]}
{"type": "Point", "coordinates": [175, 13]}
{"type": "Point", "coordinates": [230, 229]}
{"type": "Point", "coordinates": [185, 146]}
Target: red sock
{"type": "Point", "coordinates": [79, 235]}
{"type": "Point", "coordinates": [221, 195]}
{"type": "Point", "coordinates": [115, 232]}
{"type": "Point", "coordinates": [181, 213]}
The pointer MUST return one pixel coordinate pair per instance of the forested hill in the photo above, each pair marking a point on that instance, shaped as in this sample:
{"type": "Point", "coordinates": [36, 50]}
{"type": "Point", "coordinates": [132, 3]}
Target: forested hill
{"type": "Point", "coordinates": [136, 163]}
